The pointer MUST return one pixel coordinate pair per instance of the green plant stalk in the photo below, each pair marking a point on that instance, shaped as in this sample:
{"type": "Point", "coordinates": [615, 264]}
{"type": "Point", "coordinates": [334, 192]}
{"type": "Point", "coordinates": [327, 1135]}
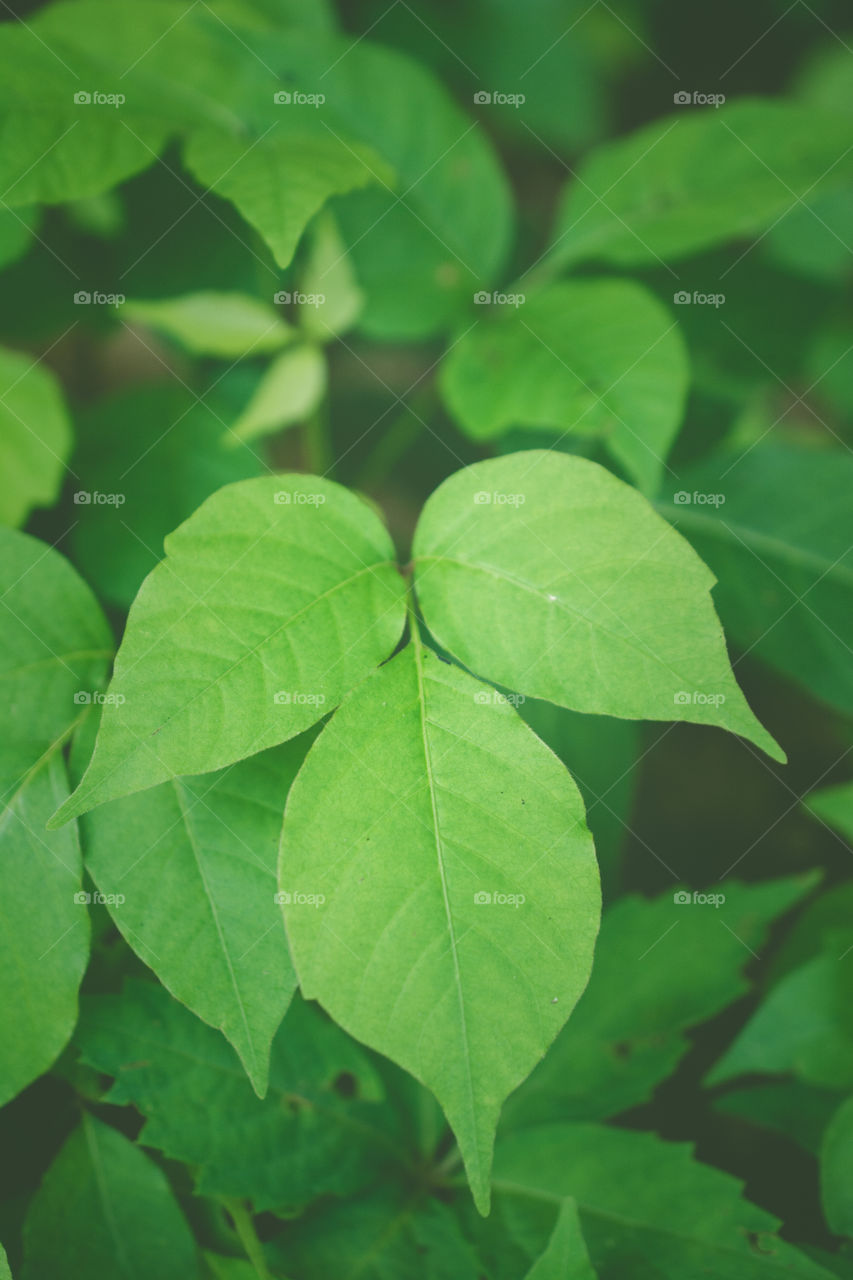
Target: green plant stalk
{"type": "Point", "coordinates": [245, 1229]}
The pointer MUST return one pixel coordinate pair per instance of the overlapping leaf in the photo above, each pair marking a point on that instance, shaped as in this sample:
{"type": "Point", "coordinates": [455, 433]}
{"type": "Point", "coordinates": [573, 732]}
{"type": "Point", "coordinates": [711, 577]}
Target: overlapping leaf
{"type": "Point", "coordinates": [35, 437]}
{"type": "Point", "coordinates": [460, 893]}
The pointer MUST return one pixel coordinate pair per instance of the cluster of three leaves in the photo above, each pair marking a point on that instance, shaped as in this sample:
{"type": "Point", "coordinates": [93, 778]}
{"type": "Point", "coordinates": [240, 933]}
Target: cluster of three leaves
{"type": "Point", "coordinates": [439, 883]}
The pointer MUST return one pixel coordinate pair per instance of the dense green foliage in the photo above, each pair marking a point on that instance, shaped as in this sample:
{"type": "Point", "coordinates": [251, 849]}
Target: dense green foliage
{"type": "Point", "coordinates": [426, 622]}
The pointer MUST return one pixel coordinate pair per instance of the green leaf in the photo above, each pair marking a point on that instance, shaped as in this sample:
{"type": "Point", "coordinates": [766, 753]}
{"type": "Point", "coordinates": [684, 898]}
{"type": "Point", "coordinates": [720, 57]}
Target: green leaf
{"type": "Point", "coordinates": [44, 929]}
{"type": "Point", "coordinates": [188, 872]}
{"type": "Point", "coordinates": [35, 437]}
{"type": "Point", "coordinates": [105, 1209]}
{"type": "Point", "coordinates": [5, 1273]}
{"type": "Point", "coordinates": [591, 356]}
{"type": "Point", "coordinates": [16, 236]}
{"type": "Point", "coordinates": [565, 1256]}
{"type": "Point", "coordinates": [804, 1026]}
{"type": "Point", "coordinates": [280, 180]}
{"type": "Point", "coordinates": [309, 1137]}
{"type": "Point", "coordinates": [696, 179]}
{"type": "Point", "coordinates": [834, 806]}
{"type": "Point", "coordinates": [328, 274]}
{"type": "Point", "coordinates": [55, 644]}
{"type": "Point", "coordinates": [229, 325]}
{"type": "Point", "coordinates": [777, 531]}
{"type": "Point", "coordinates": [647, 1209]}
{"type": "Point", "coordinates": [275, 598]}
{"type": "Point", "coordinates": [169, 444]}
{"type": "Point", "coordinates": [836, 1171]}
{"type": "Point", "coordinates": [798, 1111]}
{"type": "Point", "coordinates": [425, 812]}
{"type": "Point", "coordinates": [661, 966]}
{"type": "Point", "coordinates": [546, 574]}
{"type": "Point", "coordinates": [386, 1236]}
{"type": "Point", "coordinates": [290, 389]}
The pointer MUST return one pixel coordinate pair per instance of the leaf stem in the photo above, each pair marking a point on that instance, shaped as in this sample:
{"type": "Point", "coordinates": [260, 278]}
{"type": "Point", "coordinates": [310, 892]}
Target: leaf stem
{"type": "Point", "coordinates": [317, 441]}
{"type": "Point", "coordinates": [245, 1229]}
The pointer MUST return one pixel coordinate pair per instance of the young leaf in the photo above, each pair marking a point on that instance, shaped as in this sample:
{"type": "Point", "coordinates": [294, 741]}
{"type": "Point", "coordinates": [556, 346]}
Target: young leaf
{"type": "Point", "coordinates": [327, 274]}
{"type": "Point", "coordinates": [565, 1256]}
{"type": "Point", "coordinates": [44, 929]}
{"type": "Point", "coordinates": [280, 180]}
{"type": "Point", "coordinates": [804, 1026]}
{"type": "Point", "coordinates": [546, 574]}
{"type": "Point", "coordinates": [55, 644]}
{"type": "Point", "coordinates": [105, 1209]}
{"type": "Point", "coordinates": [275, 598]}
{"type": "Point", "coordinates": [305, 1140]}
{"type": "Point", "coordinates": [784, 562]}
{"type": "Point", "coordinates": [661, 966]}
{"type": "Point", "coordinates": [591, 356]}
{"type": "Point", "coordinates": [228, 325]}
{"type": "Point", "coordinates": [35, 437]}
{"type": "Point", "coordinates": [459, 886]}
{"type": "Point", "coordinates": [836, 1171]}
{"type": "Point", "coordinates": [290, 389]}
{"type": "Point", "coordinates": [647, 1208]}
{"type": "Point", "coordinates": [188, 873]}
{"type": "Point", "coordinates": [696, 179]}
{"type": "Point", "coordinates": [834, 805]}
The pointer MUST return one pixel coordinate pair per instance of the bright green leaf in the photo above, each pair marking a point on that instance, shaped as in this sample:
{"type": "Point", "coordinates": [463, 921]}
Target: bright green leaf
{"type": "Point", "coordinates": [547, 574]}
{"type": "Point", "coordinates": [105, 1210]}
{"type": "Point", "coordinates": [202, 851]}
{"type": "Point", "coordinates": [328, 274]}
{"type": "Point", "coordinates": [290, 389]}
{"type": "Point", "coordinates": [460, 893]}
{"type": "Point", "coordinates": [565, 1256]}
{"type": "Point", "coordinates": [228, 325]}
{"type": "Point", "coordinates": [35, 437]}
{"type": "Point", "coordinates": [591, 356]}
{"type": "Point", "coordinates": [275, 598]}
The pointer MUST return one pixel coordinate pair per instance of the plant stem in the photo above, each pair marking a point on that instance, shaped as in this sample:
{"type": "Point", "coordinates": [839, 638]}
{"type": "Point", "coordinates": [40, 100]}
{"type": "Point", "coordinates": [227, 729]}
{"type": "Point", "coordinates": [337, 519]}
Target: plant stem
{"type": "Point", "coordinates": [318, 445]}
{"type": "Point", "coordinates": [245, 1229]}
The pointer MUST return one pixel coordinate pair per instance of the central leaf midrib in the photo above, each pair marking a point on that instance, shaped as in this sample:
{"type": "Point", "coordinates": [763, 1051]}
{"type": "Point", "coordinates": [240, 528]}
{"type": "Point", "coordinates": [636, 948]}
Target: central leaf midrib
{"type": "Point", "coordinates": [416, 645]}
